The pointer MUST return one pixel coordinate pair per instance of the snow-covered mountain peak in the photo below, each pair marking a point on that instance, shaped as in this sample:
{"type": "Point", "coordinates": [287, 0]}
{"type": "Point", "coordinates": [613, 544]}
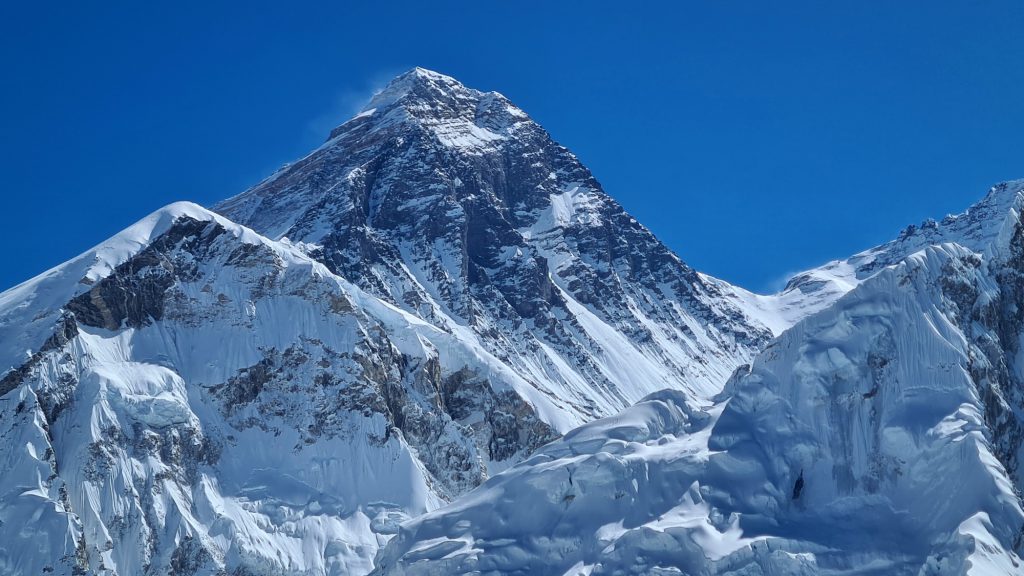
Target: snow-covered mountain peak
{"type": "Point", "coordinates": [29, 311]}
{"type": "Point", "coordinates": [455, 206]}
{"type": "Point", "coordinates": [458, 116]}
{"type": "Point", "coordinates": [77, 274]}
{"type": "Point", "coordinates": [421, 302]}
{"type": "Point", "coordinates": [441, 289]}
{"type": "Point", "coordinates": [418, 83]}
{"type": "Point", "coordinates": [198, 374]}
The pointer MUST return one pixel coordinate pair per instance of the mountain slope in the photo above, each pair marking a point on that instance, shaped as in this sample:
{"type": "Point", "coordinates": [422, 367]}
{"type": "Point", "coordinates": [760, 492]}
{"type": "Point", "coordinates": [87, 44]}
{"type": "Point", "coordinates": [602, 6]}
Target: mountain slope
{"type": "Point", "coordinates": [455, 206]}
{"type": "Point", "coordinates": [205, 398]}
{"type": "Point", "coordinates": [881, 435]}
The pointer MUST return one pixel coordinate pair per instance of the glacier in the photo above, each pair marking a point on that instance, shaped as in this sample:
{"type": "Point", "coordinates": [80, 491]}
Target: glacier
{"type": "Point", "coordinates": [880, 435]}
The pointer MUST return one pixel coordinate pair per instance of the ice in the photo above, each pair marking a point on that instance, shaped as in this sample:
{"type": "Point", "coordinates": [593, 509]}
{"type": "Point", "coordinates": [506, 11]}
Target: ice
{"type": "Point", "coordinates": [869, 402]}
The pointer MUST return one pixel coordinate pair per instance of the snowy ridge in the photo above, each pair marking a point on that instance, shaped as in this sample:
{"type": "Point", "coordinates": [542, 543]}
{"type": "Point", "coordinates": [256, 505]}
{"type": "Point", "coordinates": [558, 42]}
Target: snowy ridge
{"type": "Point", "coordinates": [874, 437]}
{"type": "Point", "coordinates": [985, 227]}
{"type": "Point", "coordinates": [29, 311]}
{"type": "Point", "coordinates": [211, 398]}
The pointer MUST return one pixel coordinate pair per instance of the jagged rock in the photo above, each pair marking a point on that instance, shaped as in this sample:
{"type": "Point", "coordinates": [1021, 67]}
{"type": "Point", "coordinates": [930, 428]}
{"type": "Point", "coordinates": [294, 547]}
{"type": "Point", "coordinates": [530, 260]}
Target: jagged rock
{"type": "Point", "coordinates": [455, 206]}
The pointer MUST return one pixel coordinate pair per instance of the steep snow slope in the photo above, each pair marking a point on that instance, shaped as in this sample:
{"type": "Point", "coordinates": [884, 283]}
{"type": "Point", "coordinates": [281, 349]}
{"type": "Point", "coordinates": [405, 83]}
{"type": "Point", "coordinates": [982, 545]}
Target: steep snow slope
{"type": "Point", "coordinates": [455, 206]}
{"type": "Point", "coordinates": [881, 435]}
{"type": "Point", "coordinates": [200, 398]}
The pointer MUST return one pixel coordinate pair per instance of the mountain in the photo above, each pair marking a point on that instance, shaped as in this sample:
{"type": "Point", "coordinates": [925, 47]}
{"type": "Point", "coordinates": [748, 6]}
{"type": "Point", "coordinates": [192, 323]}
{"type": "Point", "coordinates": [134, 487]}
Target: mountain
{"type": "Point", "coordinates": [455, 206]}
{"type": "Point", "coordinates": [206, 398]}
{"type": "Point", "coordinates": [879, 435]}
{"type": "Point", "coordinates": [366, 335]}
{"type": "Point", "coordinates": [435, 345]}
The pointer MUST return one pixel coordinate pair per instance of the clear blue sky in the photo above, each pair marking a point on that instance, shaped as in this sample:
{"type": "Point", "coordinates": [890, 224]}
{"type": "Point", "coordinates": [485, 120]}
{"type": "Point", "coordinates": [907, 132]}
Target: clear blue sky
{"type": "Point", "coordinates": [755, 140]}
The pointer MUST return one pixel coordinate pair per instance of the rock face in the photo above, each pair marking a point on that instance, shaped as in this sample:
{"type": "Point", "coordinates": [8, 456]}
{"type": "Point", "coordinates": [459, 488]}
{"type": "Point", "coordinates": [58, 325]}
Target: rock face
{"type": "Point", "coordinates": [422, 302]}
{"type": "Point", "coordinates": [455, 206]}
{"type": "Point", "coordinates": [881, 435]}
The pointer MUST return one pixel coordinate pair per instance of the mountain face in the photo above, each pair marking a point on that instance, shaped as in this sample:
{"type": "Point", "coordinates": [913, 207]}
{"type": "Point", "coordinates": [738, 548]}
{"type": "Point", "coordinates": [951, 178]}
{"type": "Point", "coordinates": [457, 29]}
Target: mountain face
{"type": "Point", "coordinates": [880, 435]}
{"type": "Point", "coordinates": [456, 207]}
{"type": "Point", "coordinates": [371, 332]}
{"type": "Point", "coordinates": [208, 399]}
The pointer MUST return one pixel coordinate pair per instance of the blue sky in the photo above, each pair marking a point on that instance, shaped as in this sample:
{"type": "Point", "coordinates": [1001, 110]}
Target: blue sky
{"type": "Point", "coordinates": [755, 140]}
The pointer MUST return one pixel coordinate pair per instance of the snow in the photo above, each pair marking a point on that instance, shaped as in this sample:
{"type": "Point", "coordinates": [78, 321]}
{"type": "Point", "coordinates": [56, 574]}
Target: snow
{"type": "Point", "coordinates": [403, 84]}
{"type": "Point", "coordinates": [36, 524]}
{"type": "Point", "coordinates": [574, 203]}
{"type": "Point", "coordinates": [263, 503]}
{"type": "Point", "coordinates": [29, 310]}
{"type": "Point", "coordinates": [316, 509]}
{"type": "Point", "coordinates": [870, 401]}
{"type": "Point", "coordinates": [364, 114]}
{"type": "Point", "coordinates": [986, 228]}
